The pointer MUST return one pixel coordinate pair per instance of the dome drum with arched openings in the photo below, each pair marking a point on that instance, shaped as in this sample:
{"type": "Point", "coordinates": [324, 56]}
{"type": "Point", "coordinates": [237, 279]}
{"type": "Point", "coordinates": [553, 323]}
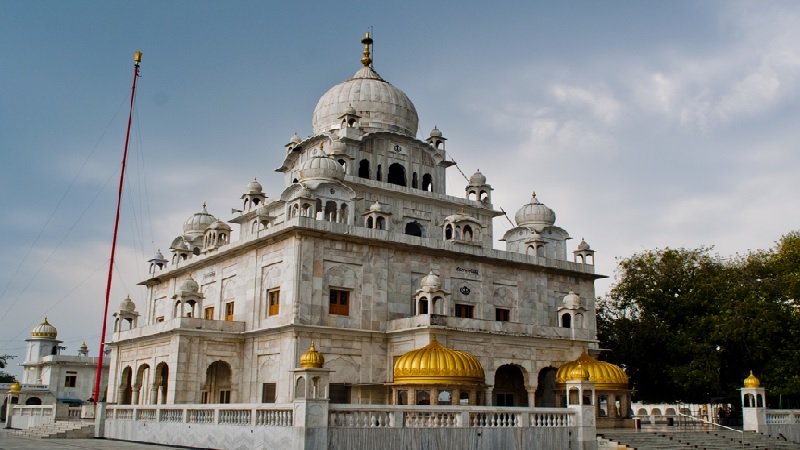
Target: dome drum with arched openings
{"type": "Point", "coordinates": [604, 375]}
{"type": "Point", "coordinates": [436, 364]}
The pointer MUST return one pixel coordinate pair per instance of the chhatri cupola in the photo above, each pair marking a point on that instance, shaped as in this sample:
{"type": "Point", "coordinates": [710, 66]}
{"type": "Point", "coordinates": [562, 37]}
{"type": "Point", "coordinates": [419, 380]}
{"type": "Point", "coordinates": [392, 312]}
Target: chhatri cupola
{"type": "Point", "coordinates": [367, 98]}
{"type": "Point", "coordinates": [437, 375]}
{"type": "Point", "coordinates": [612, 394]}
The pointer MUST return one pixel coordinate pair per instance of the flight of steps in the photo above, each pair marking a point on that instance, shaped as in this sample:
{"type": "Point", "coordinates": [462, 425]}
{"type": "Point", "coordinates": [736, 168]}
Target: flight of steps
{"type": "Point", "coordinates": [61, 429]}
{"type": "Point", "coordinates": [681, 440]}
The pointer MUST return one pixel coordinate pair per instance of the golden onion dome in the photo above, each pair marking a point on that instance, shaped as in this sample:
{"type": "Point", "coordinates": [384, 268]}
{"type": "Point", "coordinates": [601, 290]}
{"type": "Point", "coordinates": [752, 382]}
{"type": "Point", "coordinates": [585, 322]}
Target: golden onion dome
{"type": "Point", "coordinates": [751, 381]}
{"type": "Point", "coordinates": [15, 387]}
{"type": "Point", "coordinates": [604, 375]}
{"type": "Point", "coordinates": [435, 364]}
{"type": "Point", "coordinates": [312, 359]}
{"type": "Point", "coordinates": [578, 373]}
{"type": "Point", "coordinates": [44, 330]}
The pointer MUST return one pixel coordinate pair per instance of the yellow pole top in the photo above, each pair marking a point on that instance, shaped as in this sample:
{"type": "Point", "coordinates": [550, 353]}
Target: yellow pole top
{"type": "Point", "coordinates": [137, 57]}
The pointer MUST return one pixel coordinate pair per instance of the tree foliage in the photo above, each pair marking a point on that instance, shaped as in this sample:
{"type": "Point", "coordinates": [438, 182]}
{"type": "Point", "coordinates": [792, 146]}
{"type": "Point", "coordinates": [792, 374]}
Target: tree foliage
{"type": "Point", "coordinates": [5, 377]}
{"type": "Point", "coordinates": [689, 325]}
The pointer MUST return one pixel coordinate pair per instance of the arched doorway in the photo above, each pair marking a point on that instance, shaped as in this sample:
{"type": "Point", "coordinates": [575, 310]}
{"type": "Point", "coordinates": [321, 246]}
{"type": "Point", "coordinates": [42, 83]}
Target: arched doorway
{"type": "Point", "coordinates": [397, 174]}
{"type": "Point", "coordinates": [141, 394]}
{"type": "Point", "coordinates": [125, 391]}
{"type": "Point", "coordinates": [33, 401]}
{"type": "Point", "coordinates": [160, 385]}
{"type": "Point", "coordinates": [217, 388]}
{"type": "Point", "coordinates": [509, 386]}
{"type": "Point", "coordinates": [545, 396]}
{"type": "Point", "coordinates": [414, 229]}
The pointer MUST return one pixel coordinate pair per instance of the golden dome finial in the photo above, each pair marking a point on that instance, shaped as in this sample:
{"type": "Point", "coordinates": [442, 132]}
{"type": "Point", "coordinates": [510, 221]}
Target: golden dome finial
{"type": "Point", "coordinates": [312, 359]}
{"type": "Point", "coordinates": [751, 381]}
{"type": "Point", "coordinates": [15, 387]}
{"type": "Point", "coordinates": [367, 41]}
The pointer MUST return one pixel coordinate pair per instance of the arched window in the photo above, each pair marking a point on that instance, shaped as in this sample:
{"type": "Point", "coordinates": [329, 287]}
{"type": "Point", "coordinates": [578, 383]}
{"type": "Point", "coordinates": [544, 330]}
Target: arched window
{"type": "Point", "coordinates": [422, 308]}
{"type": "Point", "coordinates": [379, 174]}
{"type": "Point", "coordinates": [427, 182]}
{"type": "Point", "coordinates": [414, 181]}
{"type": "Point", "coordinates": [319, 213]}
{"type": "Point", "coordinates": [380, 223]}
{"type": "Point", "coordinates": [363, 169]}
{"type": "Point", "coordinates": [330, 211]}
{"type": "Point", "coordinates": [566, 321]}
{"type": "Point", "coordinates": [397, 174]}
{"type": "Point", "coordinates": [369, 222]}
{"type": "Point", "coordinates": [343, 213]}
{"type": "Point", "coordinates": [448, 232]}
{"type": "Point", "coordinates": [343, 164]}
{"type": "Point", "coordinates": [467, 233]}
{"type": "Point", "coordinates": [414, 229]}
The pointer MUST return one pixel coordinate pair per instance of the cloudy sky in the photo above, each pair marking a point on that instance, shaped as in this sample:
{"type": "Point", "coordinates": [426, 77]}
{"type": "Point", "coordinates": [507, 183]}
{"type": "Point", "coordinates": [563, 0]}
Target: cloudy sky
{"type": "Point", "coordinates": [642, 124]}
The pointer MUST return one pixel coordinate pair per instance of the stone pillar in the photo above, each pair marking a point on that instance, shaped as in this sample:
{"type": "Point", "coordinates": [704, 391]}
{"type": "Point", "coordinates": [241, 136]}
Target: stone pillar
{"type": "Point", "coordinates": [12, 399]}
{"type": "Point", "coordinates": [100, 420]}
{"type": "Point", "coordinates": [532, 397]}
{"type": "Point", "coordinates": [311, 407]}
{"type": "Point", "coordinates": [754, 417]}
{"type": "Point", "coordinates": [585, 424]}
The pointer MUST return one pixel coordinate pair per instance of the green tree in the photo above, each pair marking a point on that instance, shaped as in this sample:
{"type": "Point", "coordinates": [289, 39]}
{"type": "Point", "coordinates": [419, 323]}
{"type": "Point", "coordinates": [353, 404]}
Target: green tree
{"type": "Point", "coordinates": [5, 377]}
{"type": "Point", "coordinates": [689, 325]}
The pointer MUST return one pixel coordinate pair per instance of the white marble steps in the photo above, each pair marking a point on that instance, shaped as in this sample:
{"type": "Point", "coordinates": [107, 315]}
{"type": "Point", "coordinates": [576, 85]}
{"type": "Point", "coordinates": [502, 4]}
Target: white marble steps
{"type": "Point", "coordinates": [59, 430]}
{"type": "Point", "coordinates": [708, 440]}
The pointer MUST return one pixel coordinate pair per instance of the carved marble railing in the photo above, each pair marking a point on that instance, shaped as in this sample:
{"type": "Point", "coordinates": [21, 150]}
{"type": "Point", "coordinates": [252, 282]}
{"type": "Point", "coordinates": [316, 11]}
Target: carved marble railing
{"type": "Point", "coordinates": [230, 414]}
{"type": "Point", "coordinates": [783, 416]}
{"type": "Point", "coordinates": [34, 410]}
{"type": "Point", "coordinates": [401, 416]}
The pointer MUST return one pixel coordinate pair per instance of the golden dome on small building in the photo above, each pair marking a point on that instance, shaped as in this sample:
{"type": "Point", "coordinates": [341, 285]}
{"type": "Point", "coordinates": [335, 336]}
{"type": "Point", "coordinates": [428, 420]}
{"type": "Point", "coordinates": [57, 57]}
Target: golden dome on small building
{"type": "Point", "coordinates": [44, 330]}
{"type": "Point", "coordinates": [435, 364]}
{"type": "Point", "coordinates": [578, 373]}
{"type": "Point", "coordinates": [604, 375]}
{"type": "Point", "coordinates": [751, 381]}
{"type": "Point", "coordinates": [312, 359]}
{"type": "Point", "coordinates": [15, 387]}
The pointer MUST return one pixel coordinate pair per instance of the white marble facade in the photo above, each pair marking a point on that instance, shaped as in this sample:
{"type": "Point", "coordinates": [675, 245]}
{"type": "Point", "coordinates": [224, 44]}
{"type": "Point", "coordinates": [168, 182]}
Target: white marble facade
{"type": "Point", "coordinates": [338, 258]}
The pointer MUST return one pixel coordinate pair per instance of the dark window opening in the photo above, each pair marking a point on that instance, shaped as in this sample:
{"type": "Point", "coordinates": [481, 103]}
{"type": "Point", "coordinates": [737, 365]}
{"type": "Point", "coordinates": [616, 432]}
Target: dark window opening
{"type": "Point", "coordinates": [397, 175]}
{"type": "Point", "coordinates": [379, 174]}
{"type": "Point", "coordinates": [268, 393]}
{"type": "Point", "coordinates": [566, 321]}
{"type": "Point", "coordinates": [448, 232]}
{"type": "Point", "coordinates": [464, 311]}
{"type": "Point", "coordinates": [339, 393]}
{"type": "Point", "coordinates": [414, 229]}
{"type": "Point", "coordinates": [363, 169]}
{"type": "Point", "coordinates": [502, 315]}
{"type": "Point", "coordinates": [414, 180]}
{"type": "Point", "coordinates": [427, 182]}
{"type": "Point", "coordinates": [423, 306]}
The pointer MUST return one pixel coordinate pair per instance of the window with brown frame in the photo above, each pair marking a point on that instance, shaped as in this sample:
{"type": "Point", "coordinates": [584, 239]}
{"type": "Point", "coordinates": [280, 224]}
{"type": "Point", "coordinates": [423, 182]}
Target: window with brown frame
{"type": "Point", "coordinates": [274, 299]}
{"type": "Point", "coordinates": [464, 311]}
{"type": "Point", "coordinates": [208, 313]}
{"type": "Point", "coordinates": [502, 315]}
{"type": "Point", "coordinates": [340, 302]}
{"type": "Point", "coordinates": [229, 311]}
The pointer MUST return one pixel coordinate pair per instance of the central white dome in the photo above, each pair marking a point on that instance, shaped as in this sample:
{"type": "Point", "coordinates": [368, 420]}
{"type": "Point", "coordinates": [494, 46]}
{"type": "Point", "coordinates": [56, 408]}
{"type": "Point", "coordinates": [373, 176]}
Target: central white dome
{"type": "Point", "coordinates": [381, 106]}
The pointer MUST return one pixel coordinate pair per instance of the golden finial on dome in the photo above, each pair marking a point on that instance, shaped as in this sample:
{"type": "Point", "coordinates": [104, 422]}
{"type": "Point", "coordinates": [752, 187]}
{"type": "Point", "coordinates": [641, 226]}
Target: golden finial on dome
{"type": "Point", "coordinates": [751, 381]}
{"type": "Point", "coordinates": [312, 359]}
{"type": "Point", "coordinates": [367, 41]}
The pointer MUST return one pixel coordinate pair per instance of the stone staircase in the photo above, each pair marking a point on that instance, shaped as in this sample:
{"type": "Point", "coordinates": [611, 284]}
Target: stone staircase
{"type": "Point", "coordinates": [60, 429]}
{"type": "Point", "coordinates": [682, 440]}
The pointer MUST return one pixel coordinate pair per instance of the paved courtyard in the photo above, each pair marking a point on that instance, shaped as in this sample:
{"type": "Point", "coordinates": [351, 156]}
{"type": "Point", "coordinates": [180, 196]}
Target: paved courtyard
{"type": "Point", "coordinates": [9, 441]}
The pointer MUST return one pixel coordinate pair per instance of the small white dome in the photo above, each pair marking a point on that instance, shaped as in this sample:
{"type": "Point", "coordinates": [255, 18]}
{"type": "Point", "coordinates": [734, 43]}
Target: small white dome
{"type": "Point", "coordinates": [197, 223]}
{"type": "Point", "coordinates": [127, 305]}
{"type": "Point", "coordinates": [435, 132]}
{"type": "Point", "coordinates": [431, 280]}
{"type": "Point", "coordinates": [190, 285]}
{"type": "Point", "coordinates": [219, 225]}
{"type": "Point", "coordinates": [535, 214]}
{"type": "Point", "coordinates": [254, 187]}
{"type": "Point", "coordinates": [376, 207]}
{"type": "Point", "coordinates": [295, 139]}
{"type": "Point", "coordinates": [572, 300]}
{"type": "Point", "coordinates": [583, 245]}
{"type": "Point", "coordinates": [321, 166]}
{"type": "Point", "coordinates": [477, 179]}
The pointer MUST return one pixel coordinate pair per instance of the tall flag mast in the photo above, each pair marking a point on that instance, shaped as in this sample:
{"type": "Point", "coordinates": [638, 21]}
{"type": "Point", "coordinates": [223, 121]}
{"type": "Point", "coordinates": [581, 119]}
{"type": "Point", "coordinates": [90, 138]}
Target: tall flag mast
{"type": "Point", "coordinates": [137, 59]}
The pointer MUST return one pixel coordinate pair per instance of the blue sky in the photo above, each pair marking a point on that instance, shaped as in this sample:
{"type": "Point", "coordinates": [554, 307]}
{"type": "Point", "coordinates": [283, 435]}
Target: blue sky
{"type": "Point", "coordinates": [642, 124]}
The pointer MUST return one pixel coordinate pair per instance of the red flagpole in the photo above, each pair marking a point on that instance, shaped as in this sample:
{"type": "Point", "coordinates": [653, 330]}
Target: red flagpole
{"type": "Point", "coordinates": [137, 58]}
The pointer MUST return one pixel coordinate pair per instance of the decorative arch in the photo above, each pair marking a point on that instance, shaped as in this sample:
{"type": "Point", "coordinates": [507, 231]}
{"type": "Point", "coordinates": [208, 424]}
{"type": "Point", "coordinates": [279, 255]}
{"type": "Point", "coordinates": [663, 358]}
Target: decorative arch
{"type": "Point", "coordinates": [161, 383]}
{"type": "Point", "coordinates": [509, 386]}
{"type": "Point", "coordinates": [217, 388]}
{"type": "Point", "coordinates": [363, 169]}
{"type": "Point", "coordinates": [545, 395]}
{"type": "Point", "coordinates": [414, 229]}
{"type": "Point", "coordinates": [427, 182]}
{"type": "Point", "coordinates": [140, 396]}
{"type": "Point", "coordinates": [125, 389]}
{"type": "Point", "coordinates": [33, 401]}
